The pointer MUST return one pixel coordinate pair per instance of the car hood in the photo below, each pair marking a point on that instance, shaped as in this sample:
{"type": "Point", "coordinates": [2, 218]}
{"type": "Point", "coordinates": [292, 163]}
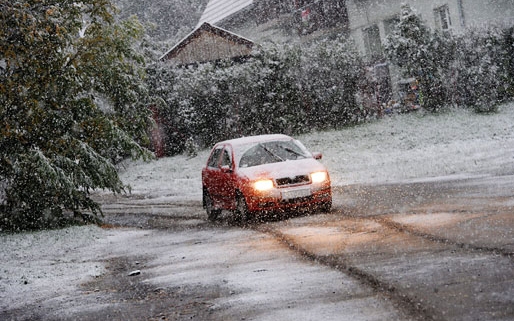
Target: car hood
{"type": "Point", "coordinates": [288, 168]}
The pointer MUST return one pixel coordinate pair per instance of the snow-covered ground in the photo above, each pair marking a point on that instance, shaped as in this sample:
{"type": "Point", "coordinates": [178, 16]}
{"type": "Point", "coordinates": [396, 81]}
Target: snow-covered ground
{"type": "Point", "coordinates": [409, 147]}
{"type": "Point", "coordinates": [412, 147]}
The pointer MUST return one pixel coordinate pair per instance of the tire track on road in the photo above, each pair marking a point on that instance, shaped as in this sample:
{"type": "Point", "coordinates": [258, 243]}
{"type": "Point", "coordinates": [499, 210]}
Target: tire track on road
{"type": "Point", "coordinates": [404, 228]}
{"type": "Point", "coordinates": [409, 306]}
{"type": "Point", "coordinates": [407, 301]}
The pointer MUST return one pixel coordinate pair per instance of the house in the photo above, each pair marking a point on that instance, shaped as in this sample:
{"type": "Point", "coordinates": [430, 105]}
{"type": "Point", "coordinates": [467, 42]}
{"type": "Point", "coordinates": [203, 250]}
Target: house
{"type": "Point", "coordinates": [208, 43]}
{"type": "Point", "coordinates": [371, 21]}
{"type": "Point", "coordinates": [278, 21]}
{"type": "Point", "coordinates": [367, 22]}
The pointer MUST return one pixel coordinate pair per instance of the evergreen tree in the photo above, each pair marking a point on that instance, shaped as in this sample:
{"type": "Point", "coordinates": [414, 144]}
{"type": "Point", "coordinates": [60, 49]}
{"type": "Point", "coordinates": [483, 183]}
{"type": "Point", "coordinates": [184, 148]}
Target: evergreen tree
{"type": "Point", "coordinates": [72, 103]}
{"type": "Point", "coordinates": [421, 54]}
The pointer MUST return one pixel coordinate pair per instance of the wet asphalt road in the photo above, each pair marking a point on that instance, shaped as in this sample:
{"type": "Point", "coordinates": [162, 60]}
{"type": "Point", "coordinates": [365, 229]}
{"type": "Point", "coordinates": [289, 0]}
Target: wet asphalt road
{"type": "Point", "coordinates": [439, 250]}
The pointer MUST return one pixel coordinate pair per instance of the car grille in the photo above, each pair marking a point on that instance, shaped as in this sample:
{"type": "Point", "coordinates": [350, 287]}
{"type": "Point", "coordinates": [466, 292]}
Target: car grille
{"type": "Point", "coordinates": [296, 180]}
{"type": "Point", "coordinates": [298, 200]}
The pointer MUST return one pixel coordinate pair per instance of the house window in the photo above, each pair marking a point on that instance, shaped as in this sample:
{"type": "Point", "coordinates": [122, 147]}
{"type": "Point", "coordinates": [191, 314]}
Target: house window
{"type": "Point", "coordinates": [312, 15]}
{"type": "Point", "coordinates": [372, 42]}
{"type": "Point", "coordinates": [442, 18]}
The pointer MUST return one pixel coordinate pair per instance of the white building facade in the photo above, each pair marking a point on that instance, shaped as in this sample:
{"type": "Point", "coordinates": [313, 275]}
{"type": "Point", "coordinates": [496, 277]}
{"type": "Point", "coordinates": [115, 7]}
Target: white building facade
{"type": "Point", "coordinates": [367, 22]}
{"type": "Point", "coordinates": [371, 21]}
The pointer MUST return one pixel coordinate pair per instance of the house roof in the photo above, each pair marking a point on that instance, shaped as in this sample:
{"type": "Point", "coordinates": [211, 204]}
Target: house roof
{"type": "Point", "coordinates": [206, 27]}
{"type": "Point", "coordinates": [217, 10]}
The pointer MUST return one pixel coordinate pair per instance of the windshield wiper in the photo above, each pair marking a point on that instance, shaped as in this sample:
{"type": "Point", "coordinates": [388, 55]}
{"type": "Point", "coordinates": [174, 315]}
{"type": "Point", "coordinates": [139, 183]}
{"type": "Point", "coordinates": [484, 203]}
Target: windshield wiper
{"type": "Point", "coordinates": [292, 151]}
{"type": "Point", "coordinates": [271, 153]}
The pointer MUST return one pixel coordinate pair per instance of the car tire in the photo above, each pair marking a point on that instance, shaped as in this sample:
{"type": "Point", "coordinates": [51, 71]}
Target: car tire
{"type": "Point", "coordinates": [326, 207]}
{"type": "Point", "coordinates": [242, 212]}
{"type": "Point", "coordinates": [212, 213]}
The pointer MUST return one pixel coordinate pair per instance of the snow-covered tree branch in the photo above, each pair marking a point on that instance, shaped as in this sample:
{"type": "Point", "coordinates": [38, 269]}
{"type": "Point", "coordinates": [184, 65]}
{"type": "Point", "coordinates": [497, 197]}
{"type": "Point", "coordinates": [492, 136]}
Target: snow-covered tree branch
{"type": "Point", "coordinates": [72, 103]}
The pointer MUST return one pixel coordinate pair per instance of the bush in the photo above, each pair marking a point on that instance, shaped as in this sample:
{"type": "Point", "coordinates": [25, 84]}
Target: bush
{"type": "Point", "coordinates": [479, 69]}
{"type": "Point", "coordinates": [331, 73]}
{"type": "Point", "coordinates": [507, 90]}
{"type": "Point", "coordinates": [474, 69]}
{"type": "Point", "coordinates": [280, 89]}
{"type": "Point", "coordinates": [422, 54]}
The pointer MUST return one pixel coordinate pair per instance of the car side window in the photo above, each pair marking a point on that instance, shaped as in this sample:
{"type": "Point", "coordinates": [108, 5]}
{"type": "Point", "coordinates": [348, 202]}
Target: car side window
{"type": "Point", "coordinates": [226, 159]}
{"type": "Point", "coordinates": [215, 156]}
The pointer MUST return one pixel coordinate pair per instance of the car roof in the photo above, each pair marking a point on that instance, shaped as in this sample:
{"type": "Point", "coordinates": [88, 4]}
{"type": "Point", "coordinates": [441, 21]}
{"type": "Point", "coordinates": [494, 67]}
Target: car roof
{"type": "Point", "coordinates": [254, 139]}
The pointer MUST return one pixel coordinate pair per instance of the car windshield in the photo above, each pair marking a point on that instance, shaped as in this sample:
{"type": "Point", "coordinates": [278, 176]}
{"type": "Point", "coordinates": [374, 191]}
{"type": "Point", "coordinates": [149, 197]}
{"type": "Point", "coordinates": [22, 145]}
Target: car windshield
{"type": "Point", "coordinates": [272, 152]}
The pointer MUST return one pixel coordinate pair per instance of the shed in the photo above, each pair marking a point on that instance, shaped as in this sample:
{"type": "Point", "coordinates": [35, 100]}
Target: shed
{"type": "Point", "coordinates": [208, 43]}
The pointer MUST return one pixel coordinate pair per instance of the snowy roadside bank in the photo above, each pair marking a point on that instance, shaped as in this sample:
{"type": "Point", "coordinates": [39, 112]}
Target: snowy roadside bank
{"type": "Point", "coordinates": [47, 264]}
{"type": "Point", "coordinates": [400, 148]}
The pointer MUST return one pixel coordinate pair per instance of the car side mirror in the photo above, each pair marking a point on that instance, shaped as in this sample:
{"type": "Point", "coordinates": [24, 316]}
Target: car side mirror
{"type": "Point", "coordinates": [317, 155]}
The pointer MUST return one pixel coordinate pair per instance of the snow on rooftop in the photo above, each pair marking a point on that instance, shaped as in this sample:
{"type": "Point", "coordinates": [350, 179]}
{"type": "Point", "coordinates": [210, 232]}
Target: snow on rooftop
{"type": "Point", "coordinates": [217, 10]}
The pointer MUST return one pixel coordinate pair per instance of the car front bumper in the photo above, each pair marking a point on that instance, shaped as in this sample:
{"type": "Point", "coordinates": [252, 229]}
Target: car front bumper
{"type": "Point", "coordinates": [290, 198]}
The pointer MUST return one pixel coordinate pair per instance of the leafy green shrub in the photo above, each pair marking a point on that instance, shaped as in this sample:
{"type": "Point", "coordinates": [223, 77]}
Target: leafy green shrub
{"type": "Point", "coordinates": [478, 69]}
{"type": "Point", "coordinates": [72, 103]}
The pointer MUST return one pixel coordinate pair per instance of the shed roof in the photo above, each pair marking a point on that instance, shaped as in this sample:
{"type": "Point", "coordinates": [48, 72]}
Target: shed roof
{"type": "Point", "coordinates": [206, 27]}
{"type": "Point", "coordinates": [217, 10]}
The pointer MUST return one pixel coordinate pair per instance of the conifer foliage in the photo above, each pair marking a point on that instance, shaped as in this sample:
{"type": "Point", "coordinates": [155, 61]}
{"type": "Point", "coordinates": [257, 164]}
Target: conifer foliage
{"type": "Point", "coordinates": [472, 69]}
{"type": "Point", "coordinates": [422, 54]}
{"type": "Point", "coordinates": [72, 102]}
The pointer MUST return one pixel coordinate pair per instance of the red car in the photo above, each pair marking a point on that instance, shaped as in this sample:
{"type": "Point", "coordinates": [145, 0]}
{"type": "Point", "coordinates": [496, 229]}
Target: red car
{"type": "Point", "coordinates": [262, 174]}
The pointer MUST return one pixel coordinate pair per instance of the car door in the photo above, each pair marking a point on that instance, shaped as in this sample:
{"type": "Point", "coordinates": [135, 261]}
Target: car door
{"type": "Point", "coordinates": [211, 175]}
{"type": "Point", "coordinates": [226, 177]}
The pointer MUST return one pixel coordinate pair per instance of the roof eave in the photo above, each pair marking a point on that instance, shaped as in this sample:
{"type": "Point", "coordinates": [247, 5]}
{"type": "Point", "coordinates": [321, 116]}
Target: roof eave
{"type": "Point", "coordinates": [209, 28]}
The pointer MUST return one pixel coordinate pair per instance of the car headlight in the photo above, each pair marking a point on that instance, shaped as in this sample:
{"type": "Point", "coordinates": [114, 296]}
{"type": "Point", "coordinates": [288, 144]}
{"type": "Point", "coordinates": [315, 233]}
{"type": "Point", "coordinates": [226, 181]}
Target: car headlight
{"type": "Point", "coordinates": [319, 177]}
{"type": "Point", "coordinates": [263, 185]}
